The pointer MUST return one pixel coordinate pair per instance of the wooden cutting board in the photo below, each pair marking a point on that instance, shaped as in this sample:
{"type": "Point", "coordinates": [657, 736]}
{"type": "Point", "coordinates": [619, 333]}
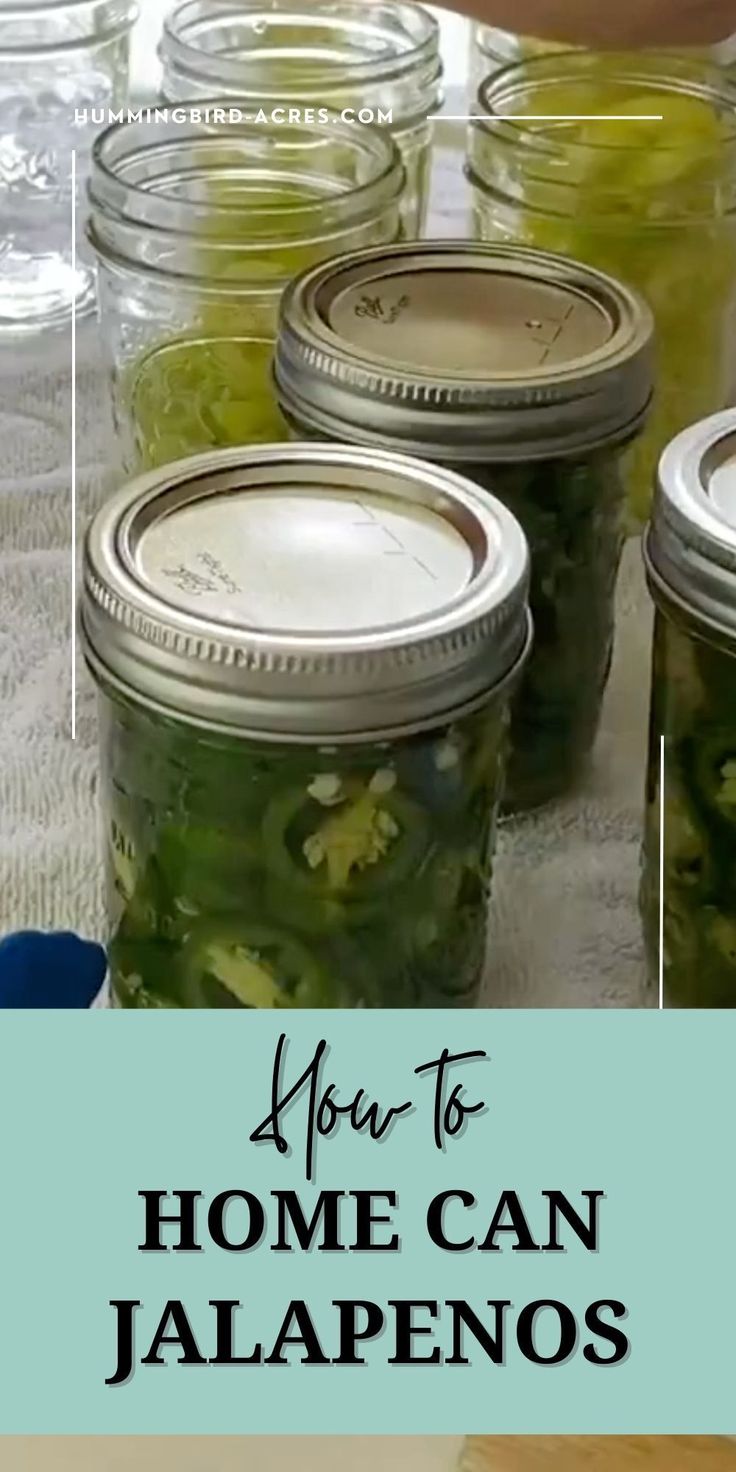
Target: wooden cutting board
{"type": "Point", "coordinates": [600, 1454]}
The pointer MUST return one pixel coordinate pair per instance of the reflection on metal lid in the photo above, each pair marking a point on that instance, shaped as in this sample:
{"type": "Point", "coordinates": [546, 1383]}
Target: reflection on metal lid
{"type": "Point", "coordinates": [302, 558]}
{"type": "Point", "coordinates": [467, 321]}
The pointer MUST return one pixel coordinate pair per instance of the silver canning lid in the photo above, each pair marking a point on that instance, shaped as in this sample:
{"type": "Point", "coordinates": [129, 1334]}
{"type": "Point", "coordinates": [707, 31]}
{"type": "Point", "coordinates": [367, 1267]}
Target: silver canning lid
{"type": "Point", "coordinates": [690, 547]}
{"type": "Point", "coordinates": [303, 591]}
{"type": "Point", "coordinates": [465, 352]}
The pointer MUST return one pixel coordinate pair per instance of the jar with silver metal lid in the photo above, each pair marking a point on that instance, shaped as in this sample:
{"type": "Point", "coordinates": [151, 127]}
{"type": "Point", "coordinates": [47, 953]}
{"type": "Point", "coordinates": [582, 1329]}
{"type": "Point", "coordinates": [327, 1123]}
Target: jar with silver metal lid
{"type": "Point", "coordinates": [533, 375]}
{"type": "Point", "coordinates": [305, 656]}
{"type": "Point", "coordinates": [688, 891]}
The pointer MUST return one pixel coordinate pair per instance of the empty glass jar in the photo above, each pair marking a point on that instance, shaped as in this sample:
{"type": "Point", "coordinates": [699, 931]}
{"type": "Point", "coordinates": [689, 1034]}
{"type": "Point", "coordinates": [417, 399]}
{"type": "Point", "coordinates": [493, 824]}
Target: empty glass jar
{"type": "Point", "coordinates": [305, 656]}
{"type": "Point", "coordinates": [198, 222]}
{"type": "Point", "coordinates": [691, 565]}
{"type": "Point", "coordinates": [59, 60]}
{"type": "Point", "coordinates": [380, 62]}
{"type": "Point", "coordinates": [651, 202]}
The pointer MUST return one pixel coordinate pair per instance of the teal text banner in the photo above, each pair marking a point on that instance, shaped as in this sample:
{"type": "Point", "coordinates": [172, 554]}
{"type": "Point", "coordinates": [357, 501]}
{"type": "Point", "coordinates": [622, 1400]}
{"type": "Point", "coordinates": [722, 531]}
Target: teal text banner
{"type": "Point", "coordinates": [535, 1238]}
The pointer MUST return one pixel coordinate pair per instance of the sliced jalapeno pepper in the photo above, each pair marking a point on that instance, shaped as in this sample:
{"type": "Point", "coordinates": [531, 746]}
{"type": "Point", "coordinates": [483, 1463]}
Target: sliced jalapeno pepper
{"type": "Point", "coordinates": [361, 849]}
{"type": "Point", "coordinates": [255, 965]}
{"type": "Point", "coordinates": [288, 876]}
{"type": "Point", "coordinates": [693, 704]}
{"type": "Point", "coordinates": [708, 758]}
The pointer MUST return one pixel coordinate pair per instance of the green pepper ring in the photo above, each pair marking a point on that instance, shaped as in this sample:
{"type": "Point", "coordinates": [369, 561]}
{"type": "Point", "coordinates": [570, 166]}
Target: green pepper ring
{"type": "Point", "coordinates": [299, 964]}
{"type": "Point", "coordinates": [702, 758]}
{"type": "Point", "coordinates": [197, 861]}
{"type": "Point", "coordinates": [400, 864]}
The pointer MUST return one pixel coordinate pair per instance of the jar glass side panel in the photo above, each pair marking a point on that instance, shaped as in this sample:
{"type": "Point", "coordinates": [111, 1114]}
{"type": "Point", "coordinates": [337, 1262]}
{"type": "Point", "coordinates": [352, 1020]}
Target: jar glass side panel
{"type": "Point", "coordinates": [694, 709]}
{"type": "Point", "coordinates": [51, 104]}
{"type": "Point", "coordinates": [572, 514]}
{"type": "Point", "coordinates": [415, 146]}
{"type": "Point", "coordinates": [189, 371]}
{"type": "Point", "coordinates": [190, 359]}
{"type": "Point", "coordinates": [246, 874]}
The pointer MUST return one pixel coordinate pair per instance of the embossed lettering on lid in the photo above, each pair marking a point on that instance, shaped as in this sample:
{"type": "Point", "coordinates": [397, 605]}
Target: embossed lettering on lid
{"type": "Point", "coordinates": [465, 321]}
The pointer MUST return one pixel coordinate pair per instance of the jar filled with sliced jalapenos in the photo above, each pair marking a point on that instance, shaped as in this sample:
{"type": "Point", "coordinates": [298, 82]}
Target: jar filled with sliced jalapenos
{"type": "Point", "coordinates": [532, 375]}
{"type": "Point", "coordinates": [688, 891]}
{"type": "Point", "coordinates": [305, 656]}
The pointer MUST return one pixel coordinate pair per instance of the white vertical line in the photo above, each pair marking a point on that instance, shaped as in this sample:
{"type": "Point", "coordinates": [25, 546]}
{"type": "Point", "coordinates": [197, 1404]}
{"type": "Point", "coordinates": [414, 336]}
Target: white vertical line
{"type": "Point", "coordinates": [74, 449]}
{"type": "Point", "coordinates": [661, 871]}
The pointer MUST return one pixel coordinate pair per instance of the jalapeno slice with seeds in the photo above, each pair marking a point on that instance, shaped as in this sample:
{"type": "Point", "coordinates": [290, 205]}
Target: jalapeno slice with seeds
{"type": "Point", "coordinates": [333, 884]}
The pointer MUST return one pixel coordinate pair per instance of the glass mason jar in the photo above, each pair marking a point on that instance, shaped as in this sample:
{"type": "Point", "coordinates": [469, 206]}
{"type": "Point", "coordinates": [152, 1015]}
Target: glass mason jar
{"type": "Point", "coordinates": [532, 375]}
{"type": "Point", "coordinates": [690, 554]}
{"type": "Point", "coordinates": [650, 202]}
{"type": "Point", "coordinates": [60, 62]}
{"type": "Point", "coordinates": [305, 657]}
{"type": "Point", "coordinates": [492, 49]}
{"type": "Point", "coordinates": [198, 221]}
{"type": "Point", "coordinates": [333, 56]}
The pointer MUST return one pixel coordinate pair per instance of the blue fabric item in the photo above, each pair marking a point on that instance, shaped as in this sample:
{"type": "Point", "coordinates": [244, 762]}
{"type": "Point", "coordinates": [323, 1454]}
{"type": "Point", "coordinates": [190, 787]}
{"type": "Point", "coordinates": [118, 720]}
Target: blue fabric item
{"type": "Point", "coordinates": [57, 971]}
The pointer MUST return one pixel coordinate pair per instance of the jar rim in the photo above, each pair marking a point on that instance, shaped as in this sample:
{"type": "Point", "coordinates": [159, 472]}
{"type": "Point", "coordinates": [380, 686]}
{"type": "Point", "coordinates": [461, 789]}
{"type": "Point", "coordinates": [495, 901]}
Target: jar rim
{"type": "Point", "coordinates": [124, 16]}
{"type": "Point", "coordinates": [192, 60]}
{"type": "Point", "coordinates": [122, 201]}
{"type": "Point", "coordinates": [666, 72]}
{"type": "Point", "coordinates": [484, 35]}
{"type": "Point", "coordinates": [16, 9]}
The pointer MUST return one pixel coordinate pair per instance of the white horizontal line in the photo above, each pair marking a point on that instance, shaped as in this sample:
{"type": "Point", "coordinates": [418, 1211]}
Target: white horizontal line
{"type": "Point", "coordinates": [552, 117]}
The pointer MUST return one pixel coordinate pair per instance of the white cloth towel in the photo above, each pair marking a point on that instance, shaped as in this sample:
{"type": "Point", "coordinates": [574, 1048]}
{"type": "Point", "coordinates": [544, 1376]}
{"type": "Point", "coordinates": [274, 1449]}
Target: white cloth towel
{"type": "Point", "coordinates": [566, 930]}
